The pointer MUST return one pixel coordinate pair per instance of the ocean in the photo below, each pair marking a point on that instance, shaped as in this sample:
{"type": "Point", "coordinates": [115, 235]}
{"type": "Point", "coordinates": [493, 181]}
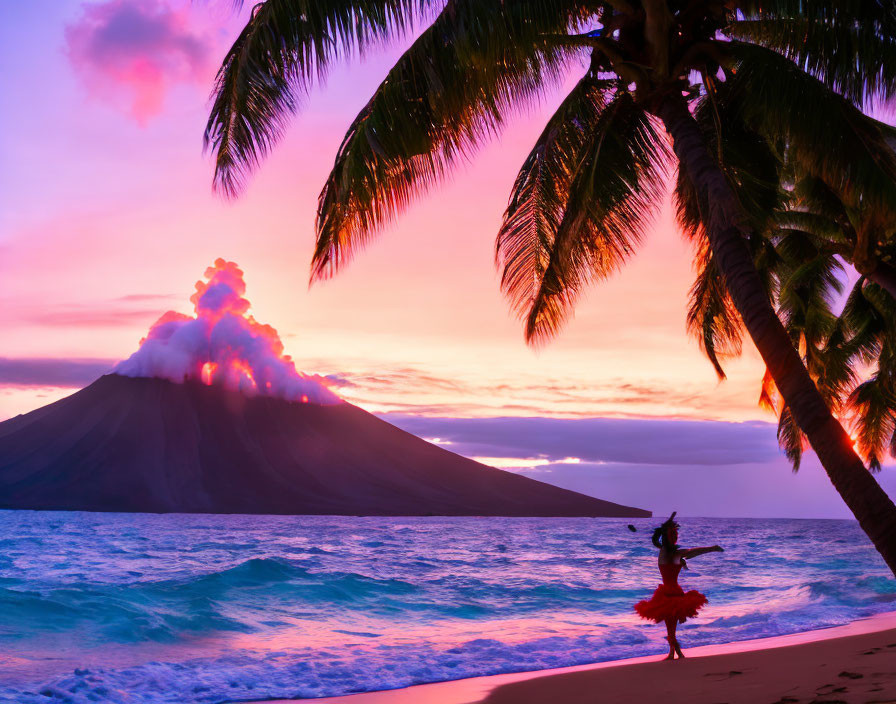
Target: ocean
{"type": "Point", "coordinates": [206, 608]}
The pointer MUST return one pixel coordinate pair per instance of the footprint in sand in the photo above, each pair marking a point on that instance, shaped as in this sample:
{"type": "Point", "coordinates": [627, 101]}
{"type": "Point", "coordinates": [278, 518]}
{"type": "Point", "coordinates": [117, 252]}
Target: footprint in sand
{"type": "Point", "coordinates": [724, 675]}
{"type": "Point", "coordinates": [830, 689]}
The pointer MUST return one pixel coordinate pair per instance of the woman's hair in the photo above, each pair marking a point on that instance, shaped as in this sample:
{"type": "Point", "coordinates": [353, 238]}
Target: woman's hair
{"type": "Point", "coordinates": [660, 534]}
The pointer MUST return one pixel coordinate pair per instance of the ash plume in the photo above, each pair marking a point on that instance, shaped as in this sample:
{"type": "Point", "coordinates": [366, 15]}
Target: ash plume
{"type": "Point", "coordinates": [222, 345]}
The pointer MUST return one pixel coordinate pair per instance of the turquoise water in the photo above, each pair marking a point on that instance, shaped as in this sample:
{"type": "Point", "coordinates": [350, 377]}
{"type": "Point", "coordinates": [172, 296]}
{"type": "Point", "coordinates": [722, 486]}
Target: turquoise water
{"type": "Point", "coordinates": [178, 608]}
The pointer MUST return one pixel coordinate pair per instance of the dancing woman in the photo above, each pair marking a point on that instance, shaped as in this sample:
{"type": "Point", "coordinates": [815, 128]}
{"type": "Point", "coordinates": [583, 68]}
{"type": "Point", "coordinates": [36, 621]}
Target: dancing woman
{"type": "Point", "coordinates": [670, 603]}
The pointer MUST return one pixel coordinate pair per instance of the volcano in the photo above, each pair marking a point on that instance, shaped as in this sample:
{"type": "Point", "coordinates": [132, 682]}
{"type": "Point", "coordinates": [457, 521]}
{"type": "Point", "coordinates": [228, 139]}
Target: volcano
{"type": "Point", "coordinates": [152, 445]}
{"type": "Point", "coordinates": [210, 415]}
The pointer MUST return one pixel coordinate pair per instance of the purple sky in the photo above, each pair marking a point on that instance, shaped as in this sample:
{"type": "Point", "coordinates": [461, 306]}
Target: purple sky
{"type": "Point", "coordinates": [107, 219]}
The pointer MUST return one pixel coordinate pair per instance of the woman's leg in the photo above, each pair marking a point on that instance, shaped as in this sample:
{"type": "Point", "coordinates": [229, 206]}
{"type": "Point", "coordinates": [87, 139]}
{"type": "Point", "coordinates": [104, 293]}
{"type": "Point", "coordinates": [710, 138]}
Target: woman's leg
{"type": "Point", "coordinates": [671, 625]}
{"type": "Point", "coordinates": [675, 639]}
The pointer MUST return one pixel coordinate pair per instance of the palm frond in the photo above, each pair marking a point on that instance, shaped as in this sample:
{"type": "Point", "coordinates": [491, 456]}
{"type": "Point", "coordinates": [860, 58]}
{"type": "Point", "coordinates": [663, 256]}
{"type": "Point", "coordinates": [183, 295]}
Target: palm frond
{"type": "Point", "coordinates": [874, 419]}
{"type": "Point", "coordinates": [541, 191]}
{"type": "Point", "coordinates": [809, 222]}
{"type": "Point", "coordinates": [450, 91]}
{"type": "Point", "coordinates": [712, 316]}
{"type": "Point", "coordinates": [811, 194]}
{"type": "Point", "coordinates": [827, 135]}
{"type": "Point", "coordinates": [618, 184]}
{"type": "Point", "coordinates": [790, 438]}
{"type": "Point", "coordinates": [753, 171]}
{"type": "Point", "coordinates": [810, 283]}
{"type": "Point", "coordinates": [850, 45]}
{"type": "Point", "coordinates": [284, 48]}
{"type": "Point", "coordinates": [687, 207]}
{"type": "Point", "coordinates": [865, 334]}
{"type": "Point", "coordinates": [837, 373]}
{"type": "Point", "coordinates": [769, 396]}
{"type": "Point", "coordinates": [864, 322]}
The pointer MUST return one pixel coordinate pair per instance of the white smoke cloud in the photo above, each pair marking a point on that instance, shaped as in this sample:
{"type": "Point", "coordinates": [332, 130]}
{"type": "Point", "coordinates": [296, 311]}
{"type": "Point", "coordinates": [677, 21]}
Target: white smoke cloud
{"type": "Point", "coordinates": [222, 345]}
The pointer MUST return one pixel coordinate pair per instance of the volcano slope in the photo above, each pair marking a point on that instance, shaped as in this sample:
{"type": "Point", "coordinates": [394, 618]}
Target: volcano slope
{"type": "Point", "coordinates": [151, 445]}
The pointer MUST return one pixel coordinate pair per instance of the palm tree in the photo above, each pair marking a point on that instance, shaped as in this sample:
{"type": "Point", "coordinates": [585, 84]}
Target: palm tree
{"type": "Point", "coordinates": [796, 73]}
{"type": "Point", "coordinates": [819, 234]}
{"type": "Point", "coordinates": [811, 237]}
{"type": "Point", "coordinates": [870, 314]}
{"type": "Point", "coordinates": [851, 356]}
{"type": "Point", "coordinates": [856, 366]}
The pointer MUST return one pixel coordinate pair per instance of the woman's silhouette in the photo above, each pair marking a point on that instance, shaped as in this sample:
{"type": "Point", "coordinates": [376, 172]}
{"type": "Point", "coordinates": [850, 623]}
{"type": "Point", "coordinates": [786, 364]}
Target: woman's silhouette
{"type": "Point", "coordinates": [670, 603]}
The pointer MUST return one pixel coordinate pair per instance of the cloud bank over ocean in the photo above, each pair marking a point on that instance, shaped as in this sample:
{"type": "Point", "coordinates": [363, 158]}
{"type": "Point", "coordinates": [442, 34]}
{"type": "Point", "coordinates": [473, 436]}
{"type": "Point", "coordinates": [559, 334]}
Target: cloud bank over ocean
{"type": "Point", "coordinates": [699, 468]}
{"type": "Point", "coordinates": [626, 440]}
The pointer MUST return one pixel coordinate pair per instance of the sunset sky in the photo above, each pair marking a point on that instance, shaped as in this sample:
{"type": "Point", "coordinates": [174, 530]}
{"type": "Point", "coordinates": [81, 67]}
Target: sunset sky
{"type": "Point", "coordinates": [107, 219]}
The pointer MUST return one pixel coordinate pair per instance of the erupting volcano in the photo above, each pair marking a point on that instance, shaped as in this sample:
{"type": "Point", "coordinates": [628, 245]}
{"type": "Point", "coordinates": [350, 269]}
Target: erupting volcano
{"type": "Point", "coordinates": [210, 416]}
{"type": "Point", "coordinates": [222, 345]}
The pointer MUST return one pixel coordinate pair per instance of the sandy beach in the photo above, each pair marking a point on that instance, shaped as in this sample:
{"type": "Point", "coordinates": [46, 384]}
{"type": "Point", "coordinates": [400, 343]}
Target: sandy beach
{"type": "Point", "coordinates": [851, 664]}
{"type": "Point", "coordinates": [854, 669]}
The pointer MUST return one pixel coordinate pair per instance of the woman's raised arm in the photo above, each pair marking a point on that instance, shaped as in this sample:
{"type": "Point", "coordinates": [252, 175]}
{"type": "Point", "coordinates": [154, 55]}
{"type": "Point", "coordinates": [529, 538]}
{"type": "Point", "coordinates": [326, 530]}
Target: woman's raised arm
{"type": "Point", "coordinates": [694, 552]}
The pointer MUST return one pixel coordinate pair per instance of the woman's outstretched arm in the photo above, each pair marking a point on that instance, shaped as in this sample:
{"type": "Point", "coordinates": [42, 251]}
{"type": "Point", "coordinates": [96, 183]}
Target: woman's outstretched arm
{"type": "Point", "coordinates": [693, 552]}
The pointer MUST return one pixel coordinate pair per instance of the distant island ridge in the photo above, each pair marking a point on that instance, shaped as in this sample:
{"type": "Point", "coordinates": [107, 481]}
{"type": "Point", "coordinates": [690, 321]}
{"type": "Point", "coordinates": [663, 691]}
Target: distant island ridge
{"type": "Point", "coordinates": [141, 444]}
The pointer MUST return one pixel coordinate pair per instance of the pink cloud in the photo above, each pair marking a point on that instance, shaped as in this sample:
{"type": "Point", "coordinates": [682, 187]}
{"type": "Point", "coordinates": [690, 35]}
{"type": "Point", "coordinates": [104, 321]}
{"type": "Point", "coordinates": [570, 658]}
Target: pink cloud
{"type": "Point", "coordinates": [131, 53]}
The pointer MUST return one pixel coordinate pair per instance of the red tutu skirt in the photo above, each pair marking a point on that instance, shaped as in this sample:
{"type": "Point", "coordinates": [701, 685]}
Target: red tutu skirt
{"type": "Point", "coordinates": [671, 601]}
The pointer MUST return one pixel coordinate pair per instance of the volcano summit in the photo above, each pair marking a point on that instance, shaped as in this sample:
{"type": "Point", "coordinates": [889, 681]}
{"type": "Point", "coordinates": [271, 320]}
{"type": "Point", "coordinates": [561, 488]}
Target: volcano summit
{"type": "Point", "coordinates": [209, 416]}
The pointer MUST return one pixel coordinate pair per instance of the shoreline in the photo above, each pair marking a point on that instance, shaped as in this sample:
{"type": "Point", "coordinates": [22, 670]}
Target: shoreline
{"type": "Point", "coordinates": [874, 635]}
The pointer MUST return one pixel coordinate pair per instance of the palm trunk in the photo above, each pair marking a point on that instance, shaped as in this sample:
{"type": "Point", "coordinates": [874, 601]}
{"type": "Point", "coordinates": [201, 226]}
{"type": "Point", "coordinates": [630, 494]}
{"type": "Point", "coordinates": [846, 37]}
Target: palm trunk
{"type": "Point", "coordinates": [726, 227]}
